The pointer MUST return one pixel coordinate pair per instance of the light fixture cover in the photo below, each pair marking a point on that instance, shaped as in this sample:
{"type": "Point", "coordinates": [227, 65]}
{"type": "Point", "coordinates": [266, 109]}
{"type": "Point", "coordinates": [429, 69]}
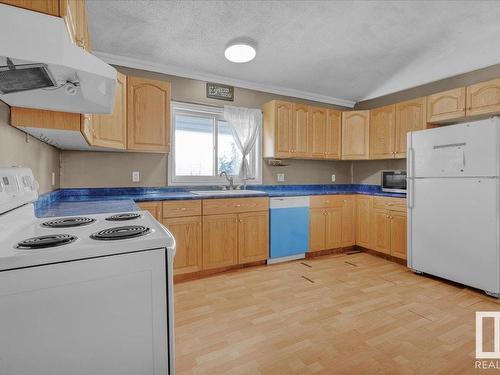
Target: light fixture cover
{"type": "Point", "coordinates": [240, 53]}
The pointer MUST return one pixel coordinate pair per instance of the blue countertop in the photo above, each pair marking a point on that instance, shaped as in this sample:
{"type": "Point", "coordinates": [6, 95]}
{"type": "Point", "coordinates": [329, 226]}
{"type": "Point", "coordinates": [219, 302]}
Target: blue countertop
{"type": "Point", "coordinates": [87, 201]}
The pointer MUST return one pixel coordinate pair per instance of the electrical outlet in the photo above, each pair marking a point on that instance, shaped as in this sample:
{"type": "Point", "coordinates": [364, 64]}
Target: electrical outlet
{"type": "Point", "coordinates": [136, 176]}
{"type": "Point", "coordinates": [280, 177]}
{"type": "Point", "coordinates": [53, 178]}
{"type": "Point", "coordinates": [333, 178]}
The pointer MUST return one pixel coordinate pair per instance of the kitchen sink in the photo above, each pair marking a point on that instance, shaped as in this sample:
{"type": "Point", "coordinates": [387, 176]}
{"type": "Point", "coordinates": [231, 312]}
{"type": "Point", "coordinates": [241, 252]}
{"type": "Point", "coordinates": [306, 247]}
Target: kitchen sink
{"type": "Point", "coordinates": [227, 192]}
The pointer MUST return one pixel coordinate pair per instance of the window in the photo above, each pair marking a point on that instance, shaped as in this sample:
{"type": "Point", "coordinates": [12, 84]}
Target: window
{"type": "Point", "coordinates": [203, 147]}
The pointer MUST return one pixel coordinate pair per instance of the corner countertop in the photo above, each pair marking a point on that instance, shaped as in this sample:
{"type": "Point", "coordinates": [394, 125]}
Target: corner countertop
{"type": "Point", "coordinates": [87, 201]}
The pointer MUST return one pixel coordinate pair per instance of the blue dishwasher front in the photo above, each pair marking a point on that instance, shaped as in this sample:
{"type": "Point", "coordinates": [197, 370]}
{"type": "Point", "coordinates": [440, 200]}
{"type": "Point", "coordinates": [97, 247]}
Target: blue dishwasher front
{"type": "Point", "coordinates": [289, 228]}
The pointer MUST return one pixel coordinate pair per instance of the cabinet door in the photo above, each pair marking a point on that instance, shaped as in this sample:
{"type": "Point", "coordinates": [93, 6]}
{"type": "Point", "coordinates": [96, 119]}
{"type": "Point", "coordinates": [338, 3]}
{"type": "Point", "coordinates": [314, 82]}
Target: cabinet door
{"type": "Point", "coordinates": [333, 134]}
{"type": "Point", "coordinates": [253, 237]}
{"type": "Point", "coordinates": [74, 13]}
{"type": "Point", "coordinates": [111, 130]}
{"type": "Point", "coordinates": [410, 116]}
{"type": "Point", "coordinates": [398, 234]}
{"type": "Point", "coordinates": [283, 131]}
{"type": "Point", "coordinates": [382, 132]}
{"type": "Point", "coordinates": [355, 135]}
{"type": "Point", "coordinates": [446, 106]}
{"type": "Point", "coordinates": [317, 132]}
{"type": "Point", "coordinates": [300, 131]}
{"type": "Point", "coordinates": [333, 232]}
{"type": "Point", "coordinates": [381, 231]}
{"type": "Point", "coordinates": [363, 213]}
{"type": "Point", "coordinates": [348, 221]}
{"type": "Point", "coordinates": [187, 234]}
{"type": "Point", "coordinates": [483, 98]}
{"type": "Point", "coordinates": [220, 241]}
{"type": "Point", "coordinates": [43, 6]}
{"type": "Point", "coordinates": [154, 208]}
{"type": "Point", "coordinates": [148, 115]}
{"type": "Point", "coordinates": [317, 229]}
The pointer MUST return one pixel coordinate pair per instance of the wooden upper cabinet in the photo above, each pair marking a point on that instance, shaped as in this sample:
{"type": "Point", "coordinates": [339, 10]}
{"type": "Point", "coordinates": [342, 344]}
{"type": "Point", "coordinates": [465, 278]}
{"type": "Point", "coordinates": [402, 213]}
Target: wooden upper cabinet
{"type": "Point", "coordinates": [447, 106]}
{"type": "Point", "coordinates": [148, 115]}
{"type": "Point", "coordinates": [317, 130]}
{"type": "Point", "coordinates": [300, 130]}
{"type": "Point", "coordinates": [74, 13]}
{"type": "Point", "coordinates": [382, 132]}
{"type": "Point", "coordinates": [483, 98]}
{"type": "Point", "coordinates": [253, 236]}
{"type": "Point", "coordinates": [43, 6]}
{"type": "Point", "coordinates": [111, 130]}
{"type": "Point", "coordinates": [410, 116]}
{"type": "Point", "coordinates": [277, 129]}
{"type": "Point", "coordinates": [355, 135]}
{"type": "Point", "coordinates": [333, 134]}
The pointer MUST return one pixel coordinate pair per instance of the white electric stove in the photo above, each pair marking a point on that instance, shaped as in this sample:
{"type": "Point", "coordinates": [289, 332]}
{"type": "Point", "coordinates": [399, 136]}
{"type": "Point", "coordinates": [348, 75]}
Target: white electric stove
{"type": "Point", "coordinates": [89, 294]}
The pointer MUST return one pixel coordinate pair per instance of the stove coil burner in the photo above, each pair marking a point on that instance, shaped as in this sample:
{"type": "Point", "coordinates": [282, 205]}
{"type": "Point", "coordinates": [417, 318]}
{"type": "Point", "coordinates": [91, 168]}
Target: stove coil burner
{"type": "Point", "coordinates": [120, 233]}
{"type": "Point", "coordinates": [44, 242]}
{"type": "Point", "coordinates": [68, 222]}
{"type": "Point", "coordinates": [124, 217]}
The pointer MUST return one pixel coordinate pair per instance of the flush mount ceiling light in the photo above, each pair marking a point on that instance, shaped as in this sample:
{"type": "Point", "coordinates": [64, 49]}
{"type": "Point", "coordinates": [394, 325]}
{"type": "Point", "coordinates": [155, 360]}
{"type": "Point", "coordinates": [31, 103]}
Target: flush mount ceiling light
{"type": "Point", "coordinates": [240, 53]}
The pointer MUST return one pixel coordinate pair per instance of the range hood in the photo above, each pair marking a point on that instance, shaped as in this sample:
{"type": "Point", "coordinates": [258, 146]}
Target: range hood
{"type": "Point", "coordinates": [41, 68]}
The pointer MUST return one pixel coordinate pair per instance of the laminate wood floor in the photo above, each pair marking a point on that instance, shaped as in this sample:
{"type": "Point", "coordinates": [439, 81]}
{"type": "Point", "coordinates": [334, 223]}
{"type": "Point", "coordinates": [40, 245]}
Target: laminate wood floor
{"type": "Point", "coordinates": [338, 314]}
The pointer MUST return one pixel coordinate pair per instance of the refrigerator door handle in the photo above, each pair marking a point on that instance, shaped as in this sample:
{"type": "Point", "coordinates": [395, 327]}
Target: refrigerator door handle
{"type": "Point", "coordinates": [409, 198]}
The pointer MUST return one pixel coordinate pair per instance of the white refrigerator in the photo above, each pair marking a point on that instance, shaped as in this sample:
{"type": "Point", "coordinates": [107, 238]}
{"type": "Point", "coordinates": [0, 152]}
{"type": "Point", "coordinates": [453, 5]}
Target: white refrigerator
{"type": "Point", "coordinates": [453, 205]}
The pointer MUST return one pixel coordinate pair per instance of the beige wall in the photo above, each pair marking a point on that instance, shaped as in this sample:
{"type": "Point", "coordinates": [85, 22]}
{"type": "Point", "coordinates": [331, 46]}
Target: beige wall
{"type": "Point", "coordinates": [40, 157]}
{"type": "Point", "coordinates": [308, 172]}
{"type": "Point", "coordinates": [112, 169]}
{"type": "Point", "coordinates": [368, 171]}
{"type": "Point", "coordinates": [93, 169]}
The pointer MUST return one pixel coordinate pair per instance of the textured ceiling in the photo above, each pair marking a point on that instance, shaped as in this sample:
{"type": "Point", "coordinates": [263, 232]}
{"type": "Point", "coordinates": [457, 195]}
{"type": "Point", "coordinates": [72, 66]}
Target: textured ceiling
{"type": "Point", "coordinates": [312, 49]}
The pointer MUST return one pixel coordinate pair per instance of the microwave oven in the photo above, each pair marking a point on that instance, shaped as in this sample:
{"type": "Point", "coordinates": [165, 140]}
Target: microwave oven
{"type": "Point", "coordinates": [394, 181]}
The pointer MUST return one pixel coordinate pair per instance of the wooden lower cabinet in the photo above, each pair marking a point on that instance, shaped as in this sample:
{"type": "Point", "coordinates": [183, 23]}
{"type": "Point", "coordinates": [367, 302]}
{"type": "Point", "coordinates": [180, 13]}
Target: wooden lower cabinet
{"type": "Point", "coordinates": [154, 208]}
{"type": "Point", "coordinates": [220, 240]}
{"type": "Point", "coordinates": [333, 228]}
{"type": "Point", "coordinates": [398, 234]}
{"type": "Point", "coordinates": [381, 231]}
{"type": "Point", "coordinates": [332, 222]}
{"type": "Point", "coordinates": [253, 236]}
{"type": "Point", "coordinates": [363, 211]}
{"type": "Point", "coordinates": [348, 220]}
{"type": "Point", "coordinates": [187, 234]}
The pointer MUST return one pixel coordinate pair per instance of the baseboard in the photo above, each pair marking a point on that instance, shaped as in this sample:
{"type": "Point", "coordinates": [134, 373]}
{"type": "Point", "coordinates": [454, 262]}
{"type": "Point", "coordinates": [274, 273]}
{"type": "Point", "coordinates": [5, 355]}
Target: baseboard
{"type": "Point", "coordinates": [382, 255]}
{"type": "Point", "coordinates": [215, 271]}
{"type": "Point", "coordinates": [338, 250]}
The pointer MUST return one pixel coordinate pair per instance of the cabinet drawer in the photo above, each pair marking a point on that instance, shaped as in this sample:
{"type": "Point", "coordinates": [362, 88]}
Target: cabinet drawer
{"type": "Point", "coordinates": [326, 201]}
{"type": "Point", "coordinates": [234, 205]}
{"type": "Point", "coordinates": [394, 204]}
{"type": "Point", "coordinates": [181, 208]}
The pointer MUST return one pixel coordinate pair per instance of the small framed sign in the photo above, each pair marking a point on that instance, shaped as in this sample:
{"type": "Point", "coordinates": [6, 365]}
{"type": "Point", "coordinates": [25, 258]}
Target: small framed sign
{"type": "Point", "coordinates": [221, 92]}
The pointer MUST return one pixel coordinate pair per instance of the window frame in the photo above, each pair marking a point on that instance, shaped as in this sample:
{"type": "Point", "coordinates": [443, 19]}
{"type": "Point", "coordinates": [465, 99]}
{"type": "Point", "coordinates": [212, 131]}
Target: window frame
{"type": "Point", "coordinates": [217, 113]}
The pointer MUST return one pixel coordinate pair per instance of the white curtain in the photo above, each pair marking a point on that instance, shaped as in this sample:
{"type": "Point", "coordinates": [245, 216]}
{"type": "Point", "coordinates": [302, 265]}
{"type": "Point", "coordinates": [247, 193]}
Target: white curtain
{"type": "Point", "coordinates": [245, 124]}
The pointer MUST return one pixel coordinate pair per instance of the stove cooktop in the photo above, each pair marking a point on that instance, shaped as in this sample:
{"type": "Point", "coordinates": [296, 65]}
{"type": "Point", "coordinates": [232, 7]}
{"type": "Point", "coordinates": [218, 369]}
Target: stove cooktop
{"type": "Point", "coordinates": [120, 233]}
{"type": "Point", "coordinates": [68, 222]}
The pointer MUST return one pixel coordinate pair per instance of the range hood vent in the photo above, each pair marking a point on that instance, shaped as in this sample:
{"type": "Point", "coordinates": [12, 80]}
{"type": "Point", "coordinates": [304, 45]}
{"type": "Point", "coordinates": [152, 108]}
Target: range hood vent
{"type": "Point", "coordinates": [40, 67]}
{"type": "Point", "coordinates": [24, 77]}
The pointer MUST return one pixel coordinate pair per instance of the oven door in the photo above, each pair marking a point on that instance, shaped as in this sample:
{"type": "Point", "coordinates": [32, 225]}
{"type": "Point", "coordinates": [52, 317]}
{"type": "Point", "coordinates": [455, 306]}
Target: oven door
{"type": "Point", "coordinates": [394, 181]}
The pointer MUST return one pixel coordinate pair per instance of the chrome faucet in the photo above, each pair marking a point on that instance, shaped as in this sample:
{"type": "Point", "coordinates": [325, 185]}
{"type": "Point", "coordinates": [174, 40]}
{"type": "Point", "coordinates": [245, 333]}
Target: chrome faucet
{"type": "Point", "coordinates": [229, 179]}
